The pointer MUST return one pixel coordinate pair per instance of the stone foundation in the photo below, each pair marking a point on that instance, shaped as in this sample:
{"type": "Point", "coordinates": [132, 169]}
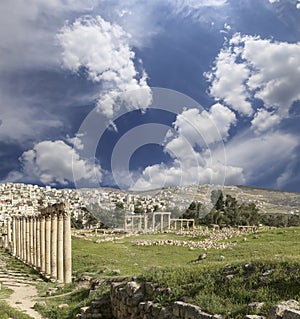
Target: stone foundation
{"type": "Point", "coordinates": [128, 300]}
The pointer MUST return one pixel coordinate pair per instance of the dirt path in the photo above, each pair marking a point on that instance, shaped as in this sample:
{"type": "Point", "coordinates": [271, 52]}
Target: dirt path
{"type": "Point", "coordinates": [24, 293]}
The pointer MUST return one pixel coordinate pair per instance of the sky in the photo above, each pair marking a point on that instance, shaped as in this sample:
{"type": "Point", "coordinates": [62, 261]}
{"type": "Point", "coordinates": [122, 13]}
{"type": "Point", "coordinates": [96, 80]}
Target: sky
{"type": "Point", "coordinates": [140, 95]}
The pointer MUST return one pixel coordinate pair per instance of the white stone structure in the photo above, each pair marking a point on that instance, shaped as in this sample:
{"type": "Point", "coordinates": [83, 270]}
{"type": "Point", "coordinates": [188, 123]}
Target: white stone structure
{"type": "Point", "coordinates": [43, 241]}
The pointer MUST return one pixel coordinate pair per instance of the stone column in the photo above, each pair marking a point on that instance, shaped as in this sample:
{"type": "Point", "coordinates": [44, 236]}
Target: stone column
{"type": "Point", "coordinates": [169, 221]}
{"type": "Point", "coordinates": [31, 239]}
{"type": "Point", "coordinates": [9, 234]}
{"type": "Point", "coordinates": [60, 247]}
{"type": "Point", "coordinates": [34, 240]}
{"type": "Point", "coordinates": [27, 240]}
{"type": "Point", "coordinates": [145, 222]}
{"type": "Point", "coordinates": [140, 223]}
{"type": "Point", "coordinates": [54, 245]}
{"type": "Point", "coordinates": [125, 222]}
{"type": "Point", "coordinates": [161, 222]}
{"type": "Point", "coordinates": [38, 243]}
{"type": "Point", "coordinates": [42, 244]}
{"type": "Point", "coordinates": [18, 236]}
{"type": "Point", "coordinates": [14, 236]}
{"type": "Point", "coordinates": [67, 249]}
{"type": "Point", "coordinates": [153, 222]}
{"type": "Point", "coordinates": [23, 237]}
{"type": "Point", "coordinates": [48, 245]}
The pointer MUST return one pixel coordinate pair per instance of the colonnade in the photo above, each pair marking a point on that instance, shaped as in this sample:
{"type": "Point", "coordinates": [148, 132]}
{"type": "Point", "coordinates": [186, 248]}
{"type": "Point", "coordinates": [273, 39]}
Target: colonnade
{"type": "Point", "coordinates": [160, 220]}
{"type": "Point", "coordinates": [43, 241]}
{"type": "Point", "coordinates": [183, 221]}
{"type": "Point", "coordinates": [162, 215]}
{"type": "Point", "coordinates": [141, 225]}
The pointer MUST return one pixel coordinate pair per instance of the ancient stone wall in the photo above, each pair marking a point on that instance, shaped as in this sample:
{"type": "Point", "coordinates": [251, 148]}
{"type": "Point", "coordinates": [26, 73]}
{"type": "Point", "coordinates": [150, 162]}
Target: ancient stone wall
{"type": "Point", "coordinates": [131, 300]}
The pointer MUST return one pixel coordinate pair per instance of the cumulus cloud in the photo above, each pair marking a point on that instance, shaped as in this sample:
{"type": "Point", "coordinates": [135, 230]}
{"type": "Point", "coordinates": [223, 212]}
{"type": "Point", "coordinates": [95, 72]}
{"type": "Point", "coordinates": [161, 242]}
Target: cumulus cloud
{"type": "Point", "coordinates": [228, 78]}
{"type": "Point", "coordinates": [264, 120]}
{"type": "Point", "coordinates": [55, 163]}
{"type": "Point", "coordinates": [205, 127]}
{"type": "Point", "coordinates": [198, 134]}
{"type": "Point", "coordinates": [102, 50]}
{"type": "Point", "coordinates": [250, 68]}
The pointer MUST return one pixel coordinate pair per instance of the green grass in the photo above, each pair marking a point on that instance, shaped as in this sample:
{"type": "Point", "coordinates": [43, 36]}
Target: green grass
{"type": "Point", "coordinates": [8, 312]}
{"type": "Point", "coordinates": [212, 291]}
{"type": "Point", "coordinates": [101, 258]}
{"type": "Point", "coordinates": [202, 282]}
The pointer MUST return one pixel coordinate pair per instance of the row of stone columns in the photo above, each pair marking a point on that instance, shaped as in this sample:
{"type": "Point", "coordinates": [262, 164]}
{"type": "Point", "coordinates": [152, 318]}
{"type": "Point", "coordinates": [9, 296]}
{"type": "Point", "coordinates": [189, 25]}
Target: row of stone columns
{"type": "Point", "coordinates": [164, 223]}
{"type": "Point", "coordinates": [142, 224]}
{"type": "Point", "coordinates": [189, 223]}
{"type": "Point", "coordinates": [43, 241]}
{"type": "Point", "coordinates": [161, 214]}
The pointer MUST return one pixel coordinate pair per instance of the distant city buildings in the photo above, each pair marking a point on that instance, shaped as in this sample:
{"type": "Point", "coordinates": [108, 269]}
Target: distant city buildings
{"type": "Point", "coordinates": [26, 198]}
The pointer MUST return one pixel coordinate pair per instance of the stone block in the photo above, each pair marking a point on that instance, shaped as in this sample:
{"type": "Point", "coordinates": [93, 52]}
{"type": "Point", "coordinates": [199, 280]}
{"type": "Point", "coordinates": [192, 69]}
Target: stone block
{"type": "Point", "coordinates": [291, 314]}
{"type": "Point", "coordinates": [277, 311]}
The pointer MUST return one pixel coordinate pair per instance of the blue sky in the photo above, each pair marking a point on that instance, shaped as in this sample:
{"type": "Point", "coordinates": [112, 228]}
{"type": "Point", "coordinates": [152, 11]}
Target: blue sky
{"type": "Point", "coordinates": [145, 94]}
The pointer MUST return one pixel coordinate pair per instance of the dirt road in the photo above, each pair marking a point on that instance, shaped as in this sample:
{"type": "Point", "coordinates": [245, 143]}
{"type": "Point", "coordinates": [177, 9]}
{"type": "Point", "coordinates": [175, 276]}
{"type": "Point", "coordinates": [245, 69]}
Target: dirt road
{"type": "Point", "coordinates": [24, 289]}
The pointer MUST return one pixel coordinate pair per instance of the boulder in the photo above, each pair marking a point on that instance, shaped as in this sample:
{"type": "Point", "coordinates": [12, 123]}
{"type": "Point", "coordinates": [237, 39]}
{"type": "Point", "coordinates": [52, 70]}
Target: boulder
{"type": "Point", "coordinates": [277, 311]}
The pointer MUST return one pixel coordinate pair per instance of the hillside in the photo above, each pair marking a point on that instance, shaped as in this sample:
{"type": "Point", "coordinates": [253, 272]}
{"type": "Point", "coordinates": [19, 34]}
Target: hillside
{"type": "Point", "coordinates": [267, 200]}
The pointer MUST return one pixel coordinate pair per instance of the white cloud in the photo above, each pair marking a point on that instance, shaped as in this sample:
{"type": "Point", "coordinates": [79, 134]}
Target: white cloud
{"type": "Point", "coordinates": [228, 78]}
{"type": "Point", "coordinates": [55, 162]}
{"type": "Point", "coordinates": [204, 128]}
{"type": "Point", "coordinates": [103, 50]}
{"type": "Point", "coordinates": [264, 121]}
{"type": "Point", "coordinates": [192, 150]}
{"type": "Point", "coordinates": [250, 67]}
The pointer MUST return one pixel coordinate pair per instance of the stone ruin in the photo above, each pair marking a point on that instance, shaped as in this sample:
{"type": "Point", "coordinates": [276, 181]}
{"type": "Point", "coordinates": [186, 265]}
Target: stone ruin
{"type": "Point", "coordinates": [42, 241]}
{"type": "Point", "coordinates": [161, 221]}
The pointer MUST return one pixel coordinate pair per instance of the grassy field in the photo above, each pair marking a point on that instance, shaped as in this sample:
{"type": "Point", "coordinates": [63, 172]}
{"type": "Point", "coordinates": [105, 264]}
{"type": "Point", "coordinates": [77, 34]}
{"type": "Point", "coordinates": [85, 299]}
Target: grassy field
{"type": "Point", "coordinates": [124, 255]}
{"type": "Point", "coordinates": [276, 251]}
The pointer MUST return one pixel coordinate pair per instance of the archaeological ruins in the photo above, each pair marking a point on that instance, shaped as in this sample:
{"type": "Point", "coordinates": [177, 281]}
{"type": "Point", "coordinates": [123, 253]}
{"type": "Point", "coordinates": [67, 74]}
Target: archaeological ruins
{"type": "Point", "coordinates": [42, 241]}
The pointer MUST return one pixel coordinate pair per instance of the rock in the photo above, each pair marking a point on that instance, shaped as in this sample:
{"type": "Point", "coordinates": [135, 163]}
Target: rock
{"type": "Point", "coordinates": [291, 314]}
{"type": "Point", "coordinates": [277, 311]}
{"type": "Point", "coordinates": [63, 305]}
{"type": "Point", "coordinates": [149, 288]}
{"type": "Point", "coordinates": [268, 272]}
{"type": "Point", "coordinates": [115, 272]}
{"type": "Point", "coordinates": [41, 304]}
{"type": "Point", "coordinates": [254, 317]}
{"type": "Point", "coordinates": [221, 257]}
{"type": "Point", "coordinates": [202, 256]}
{"type": "Point", "coordinates": [229, 277]}
{"type": "Point", "coordinates": [132, 287]}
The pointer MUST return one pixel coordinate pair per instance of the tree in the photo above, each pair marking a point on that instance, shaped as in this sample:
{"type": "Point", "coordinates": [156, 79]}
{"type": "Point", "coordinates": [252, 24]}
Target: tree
{"type": "Point", "coordinates": [119, 205]}
{"type": "Point", "coordinates": [193, 212]}
{"type": "Point", "coordinates": [217, 199]}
